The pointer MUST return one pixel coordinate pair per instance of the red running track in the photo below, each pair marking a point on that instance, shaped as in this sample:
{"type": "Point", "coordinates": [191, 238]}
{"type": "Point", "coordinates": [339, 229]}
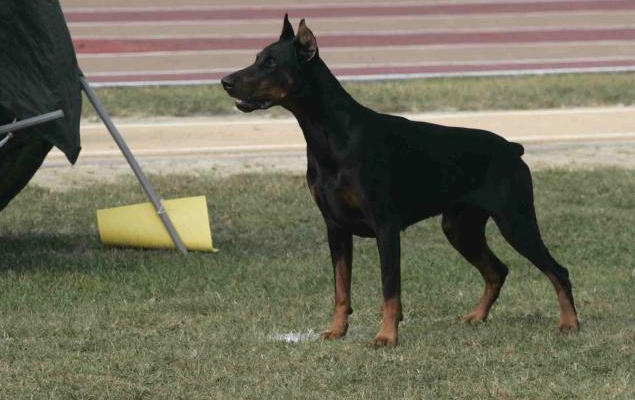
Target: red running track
{"type": "Point", "coordinates": [355, 40]}
{"type": "Point", "coordinates": [105, 54]}
{"type": "Point", "coordinates": [345, 11]}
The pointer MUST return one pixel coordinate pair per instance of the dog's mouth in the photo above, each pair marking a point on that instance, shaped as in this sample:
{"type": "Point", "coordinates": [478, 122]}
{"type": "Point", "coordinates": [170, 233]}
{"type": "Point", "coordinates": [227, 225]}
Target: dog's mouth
{"type": "Point", "coordinates": [251, 105]}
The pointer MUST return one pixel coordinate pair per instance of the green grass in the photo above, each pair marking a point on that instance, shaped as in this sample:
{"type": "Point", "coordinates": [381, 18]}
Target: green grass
{"type": "Point", "coordinates": [444, 94]}
{"type": "Point", "coordinates": [78, 321]}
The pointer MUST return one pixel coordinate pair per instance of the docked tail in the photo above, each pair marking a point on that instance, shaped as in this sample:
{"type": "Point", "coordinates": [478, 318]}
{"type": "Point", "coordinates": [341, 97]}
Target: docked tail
{"type": "Point", "coordinates": [517, 148]}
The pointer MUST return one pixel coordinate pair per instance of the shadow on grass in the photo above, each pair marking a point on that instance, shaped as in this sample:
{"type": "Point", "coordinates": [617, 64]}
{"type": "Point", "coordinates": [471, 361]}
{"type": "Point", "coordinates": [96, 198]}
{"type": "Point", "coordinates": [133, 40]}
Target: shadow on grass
{"type": "Point", "coordinates": [31, 251]}
{"type": "Point", "coordinates": [39, 242]}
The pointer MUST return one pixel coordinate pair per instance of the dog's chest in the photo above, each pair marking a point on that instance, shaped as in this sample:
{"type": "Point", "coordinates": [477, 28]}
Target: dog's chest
{"type": "Point", "coordinates": [340, 202]}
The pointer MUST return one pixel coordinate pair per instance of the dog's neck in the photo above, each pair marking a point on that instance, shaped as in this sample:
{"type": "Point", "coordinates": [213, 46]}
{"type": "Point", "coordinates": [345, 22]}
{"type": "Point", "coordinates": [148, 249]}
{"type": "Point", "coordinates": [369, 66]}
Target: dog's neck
{"type": "Point", "coordinates": [322, 107]}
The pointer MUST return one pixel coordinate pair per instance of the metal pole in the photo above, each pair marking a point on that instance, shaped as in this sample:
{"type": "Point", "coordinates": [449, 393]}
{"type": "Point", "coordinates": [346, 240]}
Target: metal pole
{"type": "Point", "coordinates": [152, 195]}
{"type": "Point", "coordinates": [31, 122]}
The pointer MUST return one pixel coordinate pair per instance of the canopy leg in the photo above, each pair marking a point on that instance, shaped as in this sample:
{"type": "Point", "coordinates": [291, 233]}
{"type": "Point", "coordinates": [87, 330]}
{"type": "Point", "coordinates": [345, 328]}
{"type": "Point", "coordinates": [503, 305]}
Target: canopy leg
{"type": "Point", "coordinates": [152, 195]}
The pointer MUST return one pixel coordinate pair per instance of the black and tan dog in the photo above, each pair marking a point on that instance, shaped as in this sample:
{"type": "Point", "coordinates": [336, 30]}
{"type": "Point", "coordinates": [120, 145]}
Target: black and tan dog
{"type": "Point", "coordinates": [374, 174]}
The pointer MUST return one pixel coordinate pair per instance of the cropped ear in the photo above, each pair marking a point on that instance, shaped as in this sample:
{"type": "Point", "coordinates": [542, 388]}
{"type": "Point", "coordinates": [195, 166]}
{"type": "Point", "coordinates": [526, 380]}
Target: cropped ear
{"type": "Point", "coordinates": [287, 29]}
{"type": "Point", "coordinates": [306, 43]}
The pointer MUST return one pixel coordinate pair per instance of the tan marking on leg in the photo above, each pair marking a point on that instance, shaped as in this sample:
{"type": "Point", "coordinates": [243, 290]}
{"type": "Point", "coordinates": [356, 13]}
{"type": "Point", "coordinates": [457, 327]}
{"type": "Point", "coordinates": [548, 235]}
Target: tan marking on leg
{"type": "Point", "coordinates": [313, 193]}
{"type": "Point", "coordinates": [388, 331]}
{"type": "Point", "coordinates": [493, 283]}
{"type": "Point", "coordinates": [466, 232]}
{"type": "Point", "coordinates": [568, 315]}
{"type": "Point", "coordinates": [481, 311]}
{"type": "Point", "coordinates": [339, 324]}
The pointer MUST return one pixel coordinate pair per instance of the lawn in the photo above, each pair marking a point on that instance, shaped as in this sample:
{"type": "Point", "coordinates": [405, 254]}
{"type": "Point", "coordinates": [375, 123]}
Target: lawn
{"type": "Point", "coordinates": [396, 96]}
{"type": "Point", "coordinates": [79, 321]}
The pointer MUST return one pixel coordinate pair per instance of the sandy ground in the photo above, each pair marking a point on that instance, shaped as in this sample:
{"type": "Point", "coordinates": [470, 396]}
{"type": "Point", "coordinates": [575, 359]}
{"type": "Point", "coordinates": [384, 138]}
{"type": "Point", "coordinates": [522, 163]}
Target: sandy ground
{"type": "Point", "coordinates": [538, 156]}
{"type": "Point", "coordinates": [577, 138]}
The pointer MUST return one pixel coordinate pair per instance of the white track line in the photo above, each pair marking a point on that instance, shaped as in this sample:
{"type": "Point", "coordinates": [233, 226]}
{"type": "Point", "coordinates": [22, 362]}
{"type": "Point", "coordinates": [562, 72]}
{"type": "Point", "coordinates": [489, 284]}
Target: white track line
{"type": "Point", "coordinates": [349, 18]}
{"type": "Point", "coordinates": [344, 20]}
{"type": "Point", "coordinates": [348, 49]}
{"type": "Point", "coordinates": [392, 32]}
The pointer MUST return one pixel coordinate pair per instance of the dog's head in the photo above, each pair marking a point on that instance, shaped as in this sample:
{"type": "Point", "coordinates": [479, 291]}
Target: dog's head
{"type": "Point", "coordinates": [276, 73]}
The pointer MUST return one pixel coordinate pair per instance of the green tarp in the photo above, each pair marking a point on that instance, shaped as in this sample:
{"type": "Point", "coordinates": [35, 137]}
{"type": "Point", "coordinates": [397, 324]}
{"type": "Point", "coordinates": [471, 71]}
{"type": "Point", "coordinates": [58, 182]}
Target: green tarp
{"type": "Point", "coordinates": [38, 74]}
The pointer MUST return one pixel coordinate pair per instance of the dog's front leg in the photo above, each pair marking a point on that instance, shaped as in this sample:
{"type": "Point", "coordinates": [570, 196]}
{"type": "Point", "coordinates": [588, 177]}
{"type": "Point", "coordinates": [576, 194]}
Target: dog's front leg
{"type": "Point", "coordinates": [388, 243]}
{"type": "Point", "coordinates": [341, 245]}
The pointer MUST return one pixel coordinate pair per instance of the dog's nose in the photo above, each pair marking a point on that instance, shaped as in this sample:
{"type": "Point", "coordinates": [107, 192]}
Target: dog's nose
{"type": "Point", "coordinates": [227, 82]}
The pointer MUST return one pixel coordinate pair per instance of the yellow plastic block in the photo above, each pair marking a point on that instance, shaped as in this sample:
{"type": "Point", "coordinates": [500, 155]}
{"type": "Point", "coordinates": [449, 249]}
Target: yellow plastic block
{"type": "Point", "coordinates": [139, 225]}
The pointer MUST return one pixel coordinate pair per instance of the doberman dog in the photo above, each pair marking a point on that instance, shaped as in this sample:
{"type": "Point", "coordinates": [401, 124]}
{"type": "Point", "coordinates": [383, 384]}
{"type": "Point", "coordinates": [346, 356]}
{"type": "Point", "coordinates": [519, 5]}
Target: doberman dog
{"type": "Point", "coordinates": [373, 175]}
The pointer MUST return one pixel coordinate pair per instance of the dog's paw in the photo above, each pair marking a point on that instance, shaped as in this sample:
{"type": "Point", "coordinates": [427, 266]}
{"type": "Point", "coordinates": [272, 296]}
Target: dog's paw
{"type": "Point", "coordinates": [384, 341]}
{"type": "Point", "coordinates": [474, 317]}
{"type": "Point", "coordinates": [334, 333]}
{"type": "Point", "coordinates": [569, 326]}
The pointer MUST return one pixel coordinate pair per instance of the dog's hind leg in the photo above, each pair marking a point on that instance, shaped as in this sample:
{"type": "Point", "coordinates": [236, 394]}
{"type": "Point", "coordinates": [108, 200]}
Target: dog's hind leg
{"type": "Point", "coordinates": [519, 227]}
{"type": "Point", "coordinates": [524, 236]}
{"type": "Point", "coordinates": [465, 230]}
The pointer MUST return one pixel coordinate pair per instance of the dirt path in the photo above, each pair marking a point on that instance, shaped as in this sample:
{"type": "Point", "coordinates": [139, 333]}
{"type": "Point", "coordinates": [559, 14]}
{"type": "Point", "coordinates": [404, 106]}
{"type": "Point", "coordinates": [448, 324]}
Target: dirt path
{"type": "Point", "coordinates": [575, 138]}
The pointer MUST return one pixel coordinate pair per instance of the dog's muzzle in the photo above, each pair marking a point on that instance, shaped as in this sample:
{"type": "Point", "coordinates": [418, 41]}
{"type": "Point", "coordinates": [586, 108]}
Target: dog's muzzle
{"type": "Point", "coordinates": [229, 84]}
